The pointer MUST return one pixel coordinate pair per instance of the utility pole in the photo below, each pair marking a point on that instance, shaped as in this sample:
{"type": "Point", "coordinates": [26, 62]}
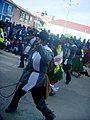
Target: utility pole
{"type": "Point", "coordinates": [70, 4]}
{"type": "Point", "coordinates": [65, 24]}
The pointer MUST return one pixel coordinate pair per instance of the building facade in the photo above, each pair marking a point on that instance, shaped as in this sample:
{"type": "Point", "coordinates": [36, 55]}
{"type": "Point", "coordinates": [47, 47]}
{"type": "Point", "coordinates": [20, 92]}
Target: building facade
{"type": "Point", "coordinates": [6, 10]}
{"type": "Point", "coordinates": [14, 13]}
{"type": "Point", "coordinates": [22, 16]}
{"type": "Point", "coordinates": [44, 17]}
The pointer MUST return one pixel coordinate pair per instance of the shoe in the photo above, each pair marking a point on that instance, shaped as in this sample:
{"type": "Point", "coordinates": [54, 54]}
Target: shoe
{"type": "Point", "coordinates": [52, 93]}
{"type": "Point", "coordinates": [86, 74]}
{"type": "Point", "coordinates": [78, 76]}
{"type": "Point", "coordinates": [20, 66]}
{"type": "Point", "coordinates": [9, 109]}
{"type": "Point", "coordinates": [67, 83]}
{"type": "Point", "coordinates": [50, 117]}
{"type": "Point", "coordinates": [1, 118]}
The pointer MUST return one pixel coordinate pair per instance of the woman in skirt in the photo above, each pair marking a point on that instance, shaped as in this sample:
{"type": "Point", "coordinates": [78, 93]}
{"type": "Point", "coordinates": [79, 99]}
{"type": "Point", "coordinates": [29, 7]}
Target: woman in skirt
{"type": "Point", "coordinates": [77, 64]}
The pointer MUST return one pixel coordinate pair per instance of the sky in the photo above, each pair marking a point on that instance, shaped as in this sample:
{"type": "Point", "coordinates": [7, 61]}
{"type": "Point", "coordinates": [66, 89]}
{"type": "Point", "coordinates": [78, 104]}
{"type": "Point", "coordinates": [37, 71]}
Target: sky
{"type": "Point", "coordinates": [72, 10]}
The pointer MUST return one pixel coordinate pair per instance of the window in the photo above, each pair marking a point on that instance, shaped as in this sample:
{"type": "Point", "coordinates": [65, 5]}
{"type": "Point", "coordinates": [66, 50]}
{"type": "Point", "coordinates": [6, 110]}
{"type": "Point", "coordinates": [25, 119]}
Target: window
{"type": "Point", "coordinates": [37, 23]}
{"type": "Point", "coordinates": [1, 6]}
{"type": "Point", "coordinates": [6, 8]}
{"type": "Point", "coordinates": [10, 10]}
{"type": "Point", "coordinates": [0, 16]}
{"type": "Point", "coordinates": [4, 18]}
{"type": "Point", "coordinates": [30, 19]}
{"type": "Point", "coordinates": [26, 18]}
{"type": "Point", "coordinates": [22, 16]}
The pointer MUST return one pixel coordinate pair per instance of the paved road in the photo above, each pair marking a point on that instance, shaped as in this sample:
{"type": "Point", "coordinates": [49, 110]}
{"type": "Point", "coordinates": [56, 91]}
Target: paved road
{"type": "Point", "coordinates": [71, 102]}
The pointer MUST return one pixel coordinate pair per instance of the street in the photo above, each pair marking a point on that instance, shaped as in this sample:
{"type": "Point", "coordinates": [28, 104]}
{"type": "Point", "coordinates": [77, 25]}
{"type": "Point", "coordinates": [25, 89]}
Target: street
{"type": "Point", "coordinates": [71, 102]}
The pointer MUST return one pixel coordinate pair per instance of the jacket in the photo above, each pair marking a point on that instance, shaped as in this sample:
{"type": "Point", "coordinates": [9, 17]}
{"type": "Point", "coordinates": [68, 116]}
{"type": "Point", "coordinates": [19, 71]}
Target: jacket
{"type": "Point", "coordinates": [37, 67]}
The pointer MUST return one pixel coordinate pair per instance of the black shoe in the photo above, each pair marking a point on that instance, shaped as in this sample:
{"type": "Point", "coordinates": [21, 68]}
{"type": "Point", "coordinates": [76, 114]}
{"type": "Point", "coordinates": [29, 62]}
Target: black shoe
{"type": "Point", "coordinates": [52, 93]}
{"type": "Point", "coordinates": [86, 74]}
{"type": "Point", "coordinates": [21, 66]}
{"type": "Point", "coordinates": [78, 75]}
{"type": "Point", "coordinates": [67, 83]}
{"type": "Point", "coordinates": [1, 118]}
{"type": "Point", "coordinates": [9, 109]}
{"type": "Point", "coordinates": [50, 117]}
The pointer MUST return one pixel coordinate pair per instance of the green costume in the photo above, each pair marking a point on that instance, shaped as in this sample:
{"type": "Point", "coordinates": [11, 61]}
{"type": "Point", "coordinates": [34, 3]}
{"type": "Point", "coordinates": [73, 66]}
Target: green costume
{"type": "Point", "coordinates": [77, 65]}
{"type": "Point", "coordinates": [1, 38]}
{"type": "Point", "coordinates": [55, 73]}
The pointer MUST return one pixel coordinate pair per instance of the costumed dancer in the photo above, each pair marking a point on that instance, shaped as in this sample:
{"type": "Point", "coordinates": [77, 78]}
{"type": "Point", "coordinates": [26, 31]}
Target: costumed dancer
{"type": "Point", "coordinates": [86, 66]}
{"type": "Point", "coordinates": [24, 54]}
{"type": "Point", "coordinates": [1, 35]}
{"type": "Point", "coordinates": [34, 77]}
{"type": "Point", "coordinates": [55, 73]}
{"type": "Point", "coordinates": [67, 62]}
{"type": "Point", "coordinates": [77, 64]}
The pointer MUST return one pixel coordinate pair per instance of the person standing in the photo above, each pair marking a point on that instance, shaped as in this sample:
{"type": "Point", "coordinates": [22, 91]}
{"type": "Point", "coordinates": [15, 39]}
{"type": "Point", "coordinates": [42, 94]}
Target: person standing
{"type": "Point", "coordinates": [67, 62]}
{"type": "Point", "coordinates": [77, 64]}
{"type": "Point", "coordinates": [1, 35]}
{"type": "Point", "coordinates": [34, 77]}
{"type": "Point", "coordinates": [25, 52]}
{"type": "Point", "coordinates": [55, 72]}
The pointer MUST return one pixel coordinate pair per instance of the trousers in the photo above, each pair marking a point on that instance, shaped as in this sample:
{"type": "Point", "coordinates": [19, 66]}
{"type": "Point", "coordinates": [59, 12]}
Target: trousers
{"type": "Point", "coordinates": [38, 97]}
{"type": "Point", "coordinates": [67, 70]}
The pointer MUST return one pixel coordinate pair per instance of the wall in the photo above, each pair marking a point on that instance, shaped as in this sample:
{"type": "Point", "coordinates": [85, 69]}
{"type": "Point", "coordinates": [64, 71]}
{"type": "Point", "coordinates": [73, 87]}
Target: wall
{"type": "Point", "coordinates": [16, 18]}
{"type": "Point", "coordinates": [12, 12]}
{"type": "Point", "coordinates": [61, 30]}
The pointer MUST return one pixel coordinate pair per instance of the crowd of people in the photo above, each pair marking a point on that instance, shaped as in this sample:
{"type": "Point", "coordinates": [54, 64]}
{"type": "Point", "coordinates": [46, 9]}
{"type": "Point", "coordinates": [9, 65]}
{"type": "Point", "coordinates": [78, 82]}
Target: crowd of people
{"type": "Point", "coordinates": [48, 57]}
{"type": "Point", "coordinates": [16, 36]}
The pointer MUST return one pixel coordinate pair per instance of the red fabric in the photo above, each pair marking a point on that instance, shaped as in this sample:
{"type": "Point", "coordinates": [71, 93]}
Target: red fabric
{"type": "Point", "coordinates": [88, 55]}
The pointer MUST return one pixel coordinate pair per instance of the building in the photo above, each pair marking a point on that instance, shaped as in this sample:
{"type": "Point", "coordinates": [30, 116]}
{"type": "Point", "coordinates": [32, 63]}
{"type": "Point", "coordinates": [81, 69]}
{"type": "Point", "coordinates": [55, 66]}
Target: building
{"type": "Point", "coordinates": [6, 10]}
{"type": "Point", "coordinates": [14, 13]}
{"type": "Point", "coordinates": [69, 28]}
{"type": "Point", "coordinates": [44, 17]}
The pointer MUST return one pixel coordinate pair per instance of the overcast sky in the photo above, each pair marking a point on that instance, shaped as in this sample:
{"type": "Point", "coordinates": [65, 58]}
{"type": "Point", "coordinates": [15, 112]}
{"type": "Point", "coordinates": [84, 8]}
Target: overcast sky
{"type": "Point", "coordinates": [79, 10]}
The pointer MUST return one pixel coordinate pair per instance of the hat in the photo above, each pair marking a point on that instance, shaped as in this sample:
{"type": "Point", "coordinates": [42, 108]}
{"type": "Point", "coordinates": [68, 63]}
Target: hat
{"type": "Point", "coordinates": [43, 35]}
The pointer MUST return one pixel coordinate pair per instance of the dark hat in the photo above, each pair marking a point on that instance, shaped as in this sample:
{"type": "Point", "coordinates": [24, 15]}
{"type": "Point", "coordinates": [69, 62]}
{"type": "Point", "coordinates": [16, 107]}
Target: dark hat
{"type": "Point", "coordinates": [31, 33]}
{"type": "Point", "coordinates": [43, 35]}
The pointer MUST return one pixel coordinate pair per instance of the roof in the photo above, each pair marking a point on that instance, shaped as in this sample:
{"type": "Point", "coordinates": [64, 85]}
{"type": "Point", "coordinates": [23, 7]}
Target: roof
{"type": "Point", "coordinates": [72, 25]}
{"type": "Point", "coordinates": [24, 10]}
{"type": "Point", "coordinates": [10, 1]}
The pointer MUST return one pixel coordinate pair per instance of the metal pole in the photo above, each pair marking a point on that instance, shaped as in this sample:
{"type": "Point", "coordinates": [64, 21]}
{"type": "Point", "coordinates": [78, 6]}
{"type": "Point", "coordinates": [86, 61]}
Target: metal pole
{"type": "Point", "coordinates": [65, 24]}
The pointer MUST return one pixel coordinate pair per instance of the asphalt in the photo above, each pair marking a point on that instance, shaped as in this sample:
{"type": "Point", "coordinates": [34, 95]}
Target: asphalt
{"type": "Point", "coordinates": [71, 102]}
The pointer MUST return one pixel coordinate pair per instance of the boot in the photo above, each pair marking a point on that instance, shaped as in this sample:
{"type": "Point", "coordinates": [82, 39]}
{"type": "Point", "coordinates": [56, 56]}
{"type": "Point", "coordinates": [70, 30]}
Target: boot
{"type": "Point", "coordinates": [50, 115]}
{"type": "Point", "coordinates": [52, 93]}
{"type": "Point", "coordinates": [21, 65]}
{"type": "Point", "coordinates": [14, 103]}
{"type": "Point", "coordinates": [1, 118]}
{"type": "Point", "coordinates": [47, 113]}
{"type": "Point", "coordinates": [68, 78]}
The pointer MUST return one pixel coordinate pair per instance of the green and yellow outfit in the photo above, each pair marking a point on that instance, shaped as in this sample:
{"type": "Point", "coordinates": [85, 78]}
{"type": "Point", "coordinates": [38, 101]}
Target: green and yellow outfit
{"type": "Point", "coordinates": [55, 73]}
{"type": "Point", "coordinates": [1, 38]}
